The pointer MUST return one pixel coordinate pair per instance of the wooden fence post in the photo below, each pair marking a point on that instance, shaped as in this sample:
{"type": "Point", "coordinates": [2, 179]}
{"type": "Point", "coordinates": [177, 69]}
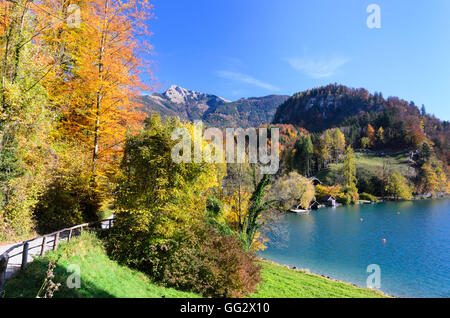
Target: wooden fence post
{"type": "Point", "coordinates": [110, 222]}
{"type": "Point", "coordinates": [55, 243]}
{"type": "Point", "coordinates": [3, 266]}
{"type": "Point", "coordinates": [44, 243]}
{"type": "Point", "coordinates": [24, 256]}
{"type": "Point", "coordinates": [70, 235]}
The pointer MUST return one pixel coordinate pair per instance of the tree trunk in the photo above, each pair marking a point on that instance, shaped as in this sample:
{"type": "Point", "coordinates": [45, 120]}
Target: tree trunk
{"type": "Point", "coordinates": [99, 93]}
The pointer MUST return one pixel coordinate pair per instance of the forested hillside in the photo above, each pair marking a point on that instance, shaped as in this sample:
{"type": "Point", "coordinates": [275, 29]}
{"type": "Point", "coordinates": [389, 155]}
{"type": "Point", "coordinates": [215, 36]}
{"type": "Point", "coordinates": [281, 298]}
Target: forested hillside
{"type": "Point", "coordinates": [359, 143]}
{"type": "Point", "coordinates": [388, 123]}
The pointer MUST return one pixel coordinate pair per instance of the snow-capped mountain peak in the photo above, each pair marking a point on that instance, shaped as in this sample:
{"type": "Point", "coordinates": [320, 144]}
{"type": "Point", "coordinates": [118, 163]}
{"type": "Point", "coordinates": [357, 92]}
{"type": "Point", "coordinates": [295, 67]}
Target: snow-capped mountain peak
{"type": "Point", "coordinates": [178, 95]}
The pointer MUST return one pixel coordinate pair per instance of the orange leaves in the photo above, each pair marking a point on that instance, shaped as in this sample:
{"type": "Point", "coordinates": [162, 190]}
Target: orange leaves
{"type": "Point", "coordinates": [370, 133]}
{"type": "Point", "coordinates": [335, 190]}
{"type": "Point", "coordinates": [98, 79]}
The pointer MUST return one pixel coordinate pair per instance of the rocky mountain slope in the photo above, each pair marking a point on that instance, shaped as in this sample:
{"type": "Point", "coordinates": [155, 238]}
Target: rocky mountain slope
{"type": "Point", "coordinates": [211, 109]}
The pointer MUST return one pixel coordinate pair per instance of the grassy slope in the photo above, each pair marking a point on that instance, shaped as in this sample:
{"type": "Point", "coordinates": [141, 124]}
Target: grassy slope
{"type": "Point", "coordinates": [282, 282]}
{"type": "Point", "coordinates": [367, 163]}
{"type": "Point", "coordinates": [102, 277]}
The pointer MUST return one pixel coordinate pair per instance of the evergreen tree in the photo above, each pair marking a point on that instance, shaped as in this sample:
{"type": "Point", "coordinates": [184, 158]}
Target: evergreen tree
{"type": "Point", "coordinates": [307, 152]}
{"type": "Point", "coordinates": [423, 110]}
{"type": "Point", "coordinates": [257, 206]}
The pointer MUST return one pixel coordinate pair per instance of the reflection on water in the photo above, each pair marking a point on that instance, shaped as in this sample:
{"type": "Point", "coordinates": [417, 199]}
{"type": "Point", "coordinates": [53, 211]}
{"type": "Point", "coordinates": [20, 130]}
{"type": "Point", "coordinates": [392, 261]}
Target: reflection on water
{"type": "Point", "coordinates": [414, 260]}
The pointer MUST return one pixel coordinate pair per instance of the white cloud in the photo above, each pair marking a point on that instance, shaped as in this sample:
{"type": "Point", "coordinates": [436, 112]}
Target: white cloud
{"type": "Point", "coordinates": [246, 79]}
{"type": "Point", "coordinates": [316, 68]}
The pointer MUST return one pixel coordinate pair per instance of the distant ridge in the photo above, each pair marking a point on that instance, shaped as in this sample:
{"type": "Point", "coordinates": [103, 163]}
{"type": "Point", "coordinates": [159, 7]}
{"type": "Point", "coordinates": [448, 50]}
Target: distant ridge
{"type": "Point", "coordinates": [211, 109]}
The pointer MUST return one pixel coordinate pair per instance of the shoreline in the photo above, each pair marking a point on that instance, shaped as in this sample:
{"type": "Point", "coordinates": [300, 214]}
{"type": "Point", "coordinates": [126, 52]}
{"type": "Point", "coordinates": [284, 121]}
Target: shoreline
{"type": "Point", "coordinates": [366, 202]}
{"type": "Point", "coordinates": [307, 271]}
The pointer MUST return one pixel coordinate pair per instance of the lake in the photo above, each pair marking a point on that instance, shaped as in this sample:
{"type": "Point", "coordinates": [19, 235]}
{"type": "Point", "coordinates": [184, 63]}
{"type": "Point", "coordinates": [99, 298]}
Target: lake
{"type": "Point", "coordinates": [414, 261]}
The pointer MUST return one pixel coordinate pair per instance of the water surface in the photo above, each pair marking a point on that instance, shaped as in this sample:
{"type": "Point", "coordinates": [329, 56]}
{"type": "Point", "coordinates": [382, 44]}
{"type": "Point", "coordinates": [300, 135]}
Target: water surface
{"type": "Point", "coordinates": [414, 261]}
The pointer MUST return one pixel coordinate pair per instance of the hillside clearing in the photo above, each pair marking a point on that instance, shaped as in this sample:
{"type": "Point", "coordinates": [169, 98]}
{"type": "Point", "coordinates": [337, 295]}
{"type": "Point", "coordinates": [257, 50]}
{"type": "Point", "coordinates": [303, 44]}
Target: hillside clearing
{"type": "Point", "coordinates": [368, 164]}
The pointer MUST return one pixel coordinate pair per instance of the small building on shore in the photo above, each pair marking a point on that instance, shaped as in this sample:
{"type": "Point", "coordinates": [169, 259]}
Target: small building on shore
{"type": "Point", "coordinates": [314, 205]}
{"type": "Point", "coordinates": [328, 200]}
{"type": "Point", "coordinates": [315, 181]}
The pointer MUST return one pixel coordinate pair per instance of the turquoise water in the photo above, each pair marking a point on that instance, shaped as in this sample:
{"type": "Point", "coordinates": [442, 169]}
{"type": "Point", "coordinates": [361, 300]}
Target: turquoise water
{"type": "Point", "coordinates": [414, 260]}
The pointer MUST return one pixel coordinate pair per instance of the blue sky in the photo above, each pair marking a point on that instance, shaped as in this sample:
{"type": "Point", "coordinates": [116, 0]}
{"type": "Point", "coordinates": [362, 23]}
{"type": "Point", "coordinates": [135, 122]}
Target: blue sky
{"type": "Point", "coordinates": [244, 48]}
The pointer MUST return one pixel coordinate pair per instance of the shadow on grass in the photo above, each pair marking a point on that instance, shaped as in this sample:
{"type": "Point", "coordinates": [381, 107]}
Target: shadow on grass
{"type": "Point", "coordinates": [27, 284]}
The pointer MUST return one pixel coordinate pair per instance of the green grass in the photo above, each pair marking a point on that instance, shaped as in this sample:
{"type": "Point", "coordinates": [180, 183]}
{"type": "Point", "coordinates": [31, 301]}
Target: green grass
{"type": "Point", "coordinates": [372, 162]}
{"type": "Point", "coordinates": [283, 282]}
{"type": "Point", "coordinates": [102, 277]}
{"type": "Point", "coordinates": [367, 164]}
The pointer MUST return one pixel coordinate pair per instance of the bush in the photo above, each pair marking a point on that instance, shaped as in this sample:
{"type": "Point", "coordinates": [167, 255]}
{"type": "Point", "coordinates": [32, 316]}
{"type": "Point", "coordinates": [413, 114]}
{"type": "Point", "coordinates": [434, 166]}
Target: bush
{"type": "Point", "coordinates": [397, 187]}
{"type": "Point", "coordinates": [214, 206]}
{"type": "Point", "coordinates": [364, 184]}
{"type": "Point", "coordinates": [71, 197]}
{"type": "Point", "coordinates": [62, 207]}
{"type": "Point", "coordinates": [219, 267]}
{"type": "Point", "coordinates": [199, 259]}
{"type": "Point", "coordinates": [344, 199]}
{"type": "Point", "coordinates": [367, 196]}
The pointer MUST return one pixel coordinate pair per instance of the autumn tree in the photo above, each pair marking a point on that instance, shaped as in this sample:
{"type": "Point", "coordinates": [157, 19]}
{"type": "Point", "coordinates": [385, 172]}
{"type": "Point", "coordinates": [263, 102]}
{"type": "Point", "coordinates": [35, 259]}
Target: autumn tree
{"type": "Point", "coordinates": [325, 148]}
{"type": "Point", "coordinates": [380, 135]}
{"type": "Point", "coordinates": [397, 187]}
{"type": "Point", "coordinates": [292, 190]}
{"type": "Point", "coordinates": [26, 121]}
{"type": "Point", "coordinates": [338, 143]}
{"type": "Point", "coordinates": [103, 60]}
{"type": "Point", "coordinates": [237, 189]}
{"type": "Point", "coordinates": [334, 190]}
{"type": "Point", "coordinates": [349, 173]}
{"type": "Point", "coordinates": [432, 178]}
{"type": "Point", "coordinates": [370, 133]}
{"type": "Point", "coordinates": [365, 142]}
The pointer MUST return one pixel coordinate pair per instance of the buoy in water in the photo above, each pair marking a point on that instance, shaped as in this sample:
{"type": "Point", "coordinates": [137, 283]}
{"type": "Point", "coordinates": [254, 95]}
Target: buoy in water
{"type": "Point", "coordinates": [398, 212]}
{"type": "Point", "coordinates": [361, 220]}
{"type": "Point", "coordinates": [384, 240]}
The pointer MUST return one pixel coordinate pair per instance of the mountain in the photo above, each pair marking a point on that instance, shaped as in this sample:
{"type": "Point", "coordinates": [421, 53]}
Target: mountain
{"type": "Point", "coordinates": [181, 102]}
{"type": "Point", "coordinates": [403, 125]}
{"type": "Point", "coordinates": [245, 112]}
{"type": "Point", "coordinates": [328, 106]}
{"type": "Point", "coordinates": [211, 109]}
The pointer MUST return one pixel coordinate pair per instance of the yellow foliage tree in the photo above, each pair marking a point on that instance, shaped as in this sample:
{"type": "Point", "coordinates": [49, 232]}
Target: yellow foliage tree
{"type": "Point", "coordinates": [96, 85]}
{"type": "Point", "coordinates": [334, 190]}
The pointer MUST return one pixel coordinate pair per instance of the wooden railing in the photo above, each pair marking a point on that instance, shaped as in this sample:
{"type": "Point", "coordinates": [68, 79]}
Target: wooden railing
{"type": "Point", "coordinates": [55, 237]}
